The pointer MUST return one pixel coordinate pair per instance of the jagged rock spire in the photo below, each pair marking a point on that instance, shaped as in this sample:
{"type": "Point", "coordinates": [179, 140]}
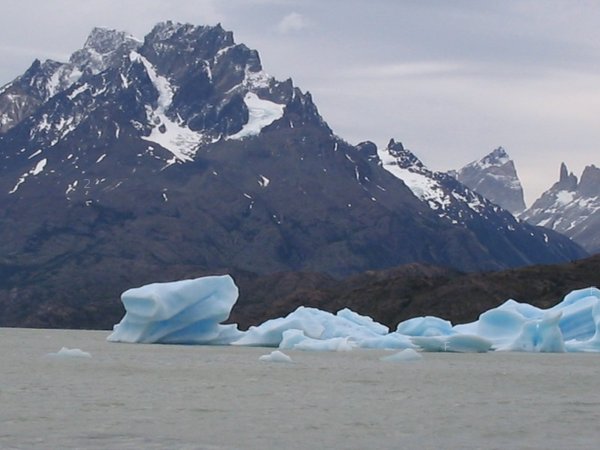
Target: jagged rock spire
{"type": "Point", "coordinates": [566, 181]}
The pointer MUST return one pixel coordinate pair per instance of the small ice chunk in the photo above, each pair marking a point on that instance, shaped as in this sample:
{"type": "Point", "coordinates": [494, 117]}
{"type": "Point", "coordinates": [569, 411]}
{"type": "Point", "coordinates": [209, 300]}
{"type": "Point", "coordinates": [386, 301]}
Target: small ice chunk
{"type": "Point", "coordinates": [407, 354]}
{"type": "Point", "coordinates": [70, 353]}
{"type": "Point", "coordinates": [276, 356]}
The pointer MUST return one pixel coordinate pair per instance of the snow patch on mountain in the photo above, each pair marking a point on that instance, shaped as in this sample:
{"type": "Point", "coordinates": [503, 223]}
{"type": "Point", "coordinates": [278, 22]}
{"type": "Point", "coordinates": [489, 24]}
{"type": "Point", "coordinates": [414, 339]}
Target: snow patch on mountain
{"type": "Point", "coordinates": [263, 181]}
{"type": "Point", "coordinates": [36, 170]}
{"type": "Point", "coordinates": [423, 186]}
{"type": "Point", "coordinates": [564, 197]}
{"type": "Point", "coordinates": [169, 134]}
{"type": "Point", "coordinates": [261, 113]}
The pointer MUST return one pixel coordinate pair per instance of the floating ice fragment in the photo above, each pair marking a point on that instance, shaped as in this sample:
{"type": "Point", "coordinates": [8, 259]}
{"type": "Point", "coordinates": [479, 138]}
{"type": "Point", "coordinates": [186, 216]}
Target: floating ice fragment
{"type": "Point", "coordinates": [70, 353]}
{"type": "Point", "coordinates": [276, 356]}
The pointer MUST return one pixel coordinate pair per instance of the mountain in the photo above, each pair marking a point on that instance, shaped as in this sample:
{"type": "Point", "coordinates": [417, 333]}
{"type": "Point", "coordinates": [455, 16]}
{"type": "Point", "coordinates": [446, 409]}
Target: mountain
{"type": "Point", "coordinates": [494, 176]}
{"type": "Point", "coordinates": [142, 161]}
{"type": "Point", "coordinates": [454, 202]}
{"type": "Point", "coordinates": [571, 207]}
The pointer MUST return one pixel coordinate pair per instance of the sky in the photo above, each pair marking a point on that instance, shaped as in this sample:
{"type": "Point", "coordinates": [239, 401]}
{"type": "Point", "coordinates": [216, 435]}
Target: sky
{"type": "Point", "coordinates": [451, 80]}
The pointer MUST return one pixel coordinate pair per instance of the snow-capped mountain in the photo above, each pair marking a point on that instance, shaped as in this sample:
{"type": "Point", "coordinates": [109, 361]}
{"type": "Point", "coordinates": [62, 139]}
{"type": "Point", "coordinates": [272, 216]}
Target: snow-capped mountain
{"type": "Point", "coordinates": [460, 205]}
{"type": "Point", "coordinates": [19, 99]}
{"type": "Point", "coordinates": [140, 161]}
{"type": "Point", "coordinates": [571, 207]}
{"type": "Point", "coordinates": [494, 176]}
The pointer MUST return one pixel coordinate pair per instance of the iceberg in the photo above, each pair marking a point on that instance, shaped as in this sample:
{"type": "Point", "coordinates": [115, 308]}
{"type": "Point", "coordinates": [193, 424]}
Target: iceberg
{"type": "Point", "coordinates": [70, 353]}
{"type": "Point", "coordinates": [315, 324]}
{"type": "Point", "coordinates": [192, 312]}
{"type": "Point", "coordinates": [570, 325]}
{"type": "Point", "coordinates": [276, 356]}
{"type": "Point", "coordinates": [179, 312]}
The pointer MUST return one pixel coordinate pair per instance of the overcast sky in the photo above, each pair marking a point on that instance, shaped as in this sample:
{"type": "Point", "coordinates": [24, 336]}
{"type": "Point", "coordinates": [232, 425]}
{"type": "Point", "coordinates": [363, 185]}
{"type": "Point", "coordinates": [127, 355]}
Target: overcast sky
{"type": "Point", "coordinates": [452, 80]}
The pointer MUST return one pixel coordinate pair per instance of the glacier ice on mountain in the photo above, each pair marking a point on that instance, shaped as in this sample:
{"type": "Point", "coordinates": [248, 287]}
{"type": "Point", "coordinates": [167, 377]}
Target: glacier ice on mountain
{"type": "Point", "coordinates": [192, 312]}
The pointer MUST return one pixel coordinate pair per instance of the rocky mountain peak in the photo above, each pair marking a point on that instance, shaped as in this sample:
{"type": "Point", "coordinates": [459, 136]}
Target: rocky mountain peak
{"type": "Point", "coordinates": [589, 185]}
{"type": "Point", "coordinates": [197, 41]}
{"type": "Point", "coordinates": [566, 181]}
{"type": "Point", "coordinates": [102, 49]}
{"type": "Point", "coordinates": [495, 177]}
{"type": "Point", "coordinates": [106, 40]}
{"type": "Point", "coordinates": [571, 207]}
{"type": "Point", "coordinates": [405, 159]}
{"type": "Point", "coordinates": [497, 157]}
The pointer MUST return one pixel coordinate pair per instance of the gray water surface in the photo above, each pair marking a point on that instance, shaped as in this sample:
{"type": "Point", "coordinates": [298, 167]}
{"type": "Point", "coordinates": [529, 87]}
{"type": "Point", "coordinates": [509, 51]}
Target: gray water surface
{"type": "Point", "coordinates": [132, 396]}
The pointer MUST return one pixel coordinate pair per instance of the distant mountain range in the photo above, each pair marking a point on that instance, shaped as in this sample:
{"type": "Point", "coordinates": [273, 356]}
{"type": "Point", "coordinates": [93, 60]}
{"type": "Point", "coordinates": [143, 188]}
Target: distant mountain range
{"type": "Point", "coordinates": [570, 207]}
{"type": "Point", "coordinates": [141, 161]}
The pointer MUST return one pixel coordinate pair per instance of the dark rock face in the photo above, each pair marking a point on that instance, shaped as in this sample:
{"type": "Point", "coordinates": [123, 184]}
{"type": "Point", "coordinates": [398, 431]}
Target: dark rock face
{"type": "Point", "coordinates": [495, 177]}
{"type": "Point", "coordinates": [144, 161]}
{"type": "Point", "coordinates": [571, 207]}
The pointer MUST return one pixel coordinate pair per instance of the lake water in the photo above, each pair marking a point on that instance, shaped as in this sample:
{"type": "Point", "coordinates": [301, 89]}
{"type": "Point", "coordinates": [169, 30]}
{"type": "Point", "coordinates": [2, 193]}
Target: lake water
{"type": "Point", "coordinates": [132, 396]}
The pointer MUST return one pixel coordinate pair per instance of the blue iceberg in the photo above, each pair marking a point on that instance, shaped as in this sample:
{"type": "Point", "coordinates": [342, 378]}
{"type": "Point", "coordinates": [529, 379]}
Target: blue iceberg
{"type": "Point", "coordinates": [181, 312]}
{"type": "Point", "coordinates": [192, 312]}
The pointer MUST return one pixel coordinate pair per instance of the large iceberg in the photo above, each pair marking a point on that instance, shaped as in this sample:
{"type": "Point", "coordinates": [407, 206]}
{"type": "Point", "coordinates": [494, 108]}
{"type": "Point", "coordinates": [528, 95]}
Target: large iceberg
{"type": "Point", "coordinates": [180, 312]}
{"type": "Point", "coordinates": [192, 312]}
